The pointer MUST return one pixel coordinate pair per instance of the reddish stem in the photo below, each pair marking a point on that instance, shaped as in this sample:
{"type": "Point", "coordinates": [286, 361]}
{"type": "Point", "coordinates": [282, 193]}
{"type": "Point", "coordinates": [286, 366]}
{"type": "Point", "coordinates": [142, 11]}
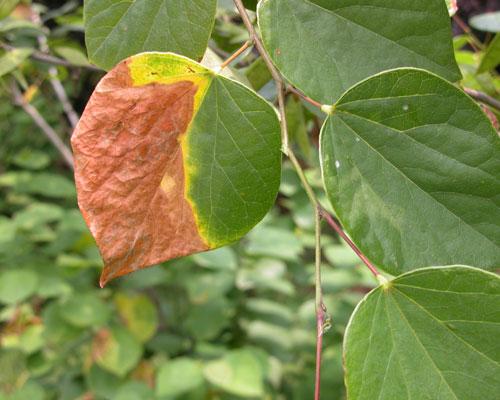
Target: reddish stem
{"type": "Point", "coordinates": [320, 320]}
{"type": "Point", "coordinates": [303, 96]}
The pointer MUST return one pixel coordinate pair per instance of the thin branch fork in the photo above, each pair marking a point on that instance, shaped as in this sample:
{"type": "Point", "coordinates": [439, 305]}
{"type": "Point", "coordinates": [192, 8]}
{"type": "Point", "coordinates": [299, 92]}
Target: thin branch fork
{"type": "Point", "coordinates": [43, 125]}
{"type": "Point", "coordinates": [236, 54]}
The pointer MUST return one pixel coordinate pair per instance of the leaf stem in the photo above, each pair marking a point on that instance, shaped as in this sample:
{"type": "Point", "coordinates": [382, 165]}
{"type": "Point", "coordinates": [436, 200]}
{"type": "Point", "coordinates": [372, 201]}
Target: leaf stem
{"type": "Point", "coordinates": [236, 54]}
{"type": "Point", "coordinates": [320, 308]}
{"type": "Point", "coordinates": [337, 228]}
{"type": "Point", "coordinates": [304, 97]}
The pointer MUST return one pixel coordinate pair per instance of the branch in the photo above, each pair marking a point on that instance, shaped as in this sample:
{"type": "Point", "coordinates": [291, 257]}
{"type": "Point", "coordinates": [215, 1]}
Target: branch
{"type": "Point", "coordinates": [236, 54]}
{"type": "Point", "coordinates": [483, 98]}
{"type": "Point", "coordinates": [319, 211]}
{"type": "Point", "coordinates": [320, 307]}
{"type": "Point", "coordinates": [55, 82]}
{"type": "Point", "coordinates": [43, 125]}
{"type": "Point", "coordinates": [280, 85]}
{"type": "Point", "coordinates": [48, 59]}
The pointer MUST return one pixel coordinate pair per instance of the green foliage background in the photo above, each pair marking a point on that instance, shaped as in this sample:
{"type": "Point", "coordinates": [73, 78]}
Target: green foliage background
{"type": "Point", "coordinates": [235, 323]}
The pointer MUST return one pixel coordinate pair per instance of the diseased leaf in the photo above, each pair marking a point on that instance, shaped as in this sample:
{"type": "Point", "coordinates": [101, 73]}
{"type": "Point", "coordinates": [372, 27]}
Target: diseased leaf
{"type": "Point", "coordinates": [116, 351]}
{"type": "Point", "coordinates": [139, 314]}
{"type": "Point", "coordinates": [429, 334]}
{"type": "Point", "coordinates": [117, 29]}
{"type": "Point", "coordinates": [491, 57]}
{"type": "Point", "coordinates": [172, 159]}
{"type": "Point", "coordinates": [412, 168]}
{"type": "Point", "coordinates": [324, 47]}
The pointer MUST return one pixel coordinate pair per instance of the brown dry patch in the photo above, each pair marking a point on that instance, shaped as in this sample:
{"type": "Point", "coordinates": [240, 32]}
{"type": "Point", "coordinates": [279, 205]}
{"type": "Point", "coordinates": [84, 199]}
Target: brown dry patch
{"type": "Point", "coordinates": [130, 175]}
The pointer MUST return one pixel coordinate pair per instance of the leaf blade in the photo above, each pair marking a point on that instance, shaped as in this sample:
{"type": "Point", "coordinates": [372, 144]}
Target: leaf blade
{"type": "Point", "coordinates": [344, 42]}
{"type": "Point", "coordinates": [397, 148]}
{"type": "Point", "coordinates": [113, 32]}
{"type": "Point", "coordinates": [416, 337]}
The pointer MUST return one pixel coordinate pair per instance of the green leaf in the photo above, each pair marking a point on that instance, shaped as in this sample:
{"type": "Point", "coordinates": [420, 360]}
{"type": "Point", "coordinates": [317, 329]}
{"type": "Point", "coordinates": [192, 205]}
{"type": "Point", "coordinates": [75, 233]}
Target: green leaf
{"type": "Point", "coordinates": [258, 74]}
{"type": "Point", "coordinates": [116, 29]}
{"type": "Point", "coordinates": [178, 377]}
{"type": "Point", "coordinates": [240, 373]}
{"type": "Point", "coordinates": [324, 47]}
{"type": "Point", "coordinates": [250, 4]}
{"type": "Point", "coordinates": [72, 54]}
{"type": "Point", "coordinates": [12, 59]}
{"type": "Point", "coordinates": [220, 259]}
{"type": "Point", "coordinates": [489, 22]}
{"type": "Point", "coordinates": [428, 334]}
{"type": "Point", "coordinates": [45, 184]}
{"type": "Point", "coordinates": [116, 351]}
{"type": "Point", "coordinates": [31, 159]}
{"type": "Point", "coordinates": [134, 391]}
{"type": "Point", "coordinates": [297, 126]}
{"type": "Point", "coordinates": [17, 285]}
{"type": "Point", "coordinates": [6, 7]}
{"type": "Point", "coordinates": [139, 314]}
{"type": "Point", "coordinates": [85, 310]}
{"type": "Point", "coordinates": [274, 242]}
{"type": "Point", "coordinates": [206, 321]}
{"type": "Point", "coordinates": [412, 168]}
{"type": "Point", "coordinates": [491, 57]}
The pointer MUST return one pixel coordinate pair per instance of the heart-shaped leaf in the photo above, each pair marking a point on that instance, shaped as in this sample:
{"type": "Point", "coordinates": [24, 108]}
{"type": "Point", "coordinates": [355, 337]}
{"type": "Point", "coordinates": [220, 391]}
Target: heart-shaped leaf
{"type": "Point", "coordinates": [429, 334]}
{"type": "Point", "coordinates": [116, 29]}
{"type": "Point", "coordinates": [412, 167]}
{"type": "Point", "coordinates": [172, 159]}
{"type": "Point", "coordinates": [324, 47]}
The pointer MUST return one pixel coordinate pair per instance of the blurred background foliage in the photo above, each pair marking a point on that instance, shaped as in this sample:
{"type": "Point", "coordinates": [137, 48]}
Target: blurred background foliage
{"type": "Point", "coordinates": [236, 323]}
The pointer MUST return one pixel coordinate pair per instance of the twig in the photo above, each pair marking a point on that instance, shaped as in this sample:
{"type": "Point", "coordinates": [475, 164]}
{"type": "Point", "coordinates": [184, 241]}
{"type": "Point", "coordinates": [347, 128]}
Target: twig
{"type": "Point", "coordinates": [236, 54]}
{"type": "Point", "coordinates": [280, 85]}
{"type": "Point", "coordinates": [49, 59]}
{"type": "Point", "coordinates": [63, 98]}
{"type": "Point", "coordinates": [320, 308]}
{"type": "Point", "coordinates": [303, 96]}
{"type": "Point", "coordinates": [56, 83]}
{"type": "Point", "coordinates": [483, 98]}
{"type": "Point", "coordinates": [474, 41]}
{"type": "Point", "coordinates": [43, 125]}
